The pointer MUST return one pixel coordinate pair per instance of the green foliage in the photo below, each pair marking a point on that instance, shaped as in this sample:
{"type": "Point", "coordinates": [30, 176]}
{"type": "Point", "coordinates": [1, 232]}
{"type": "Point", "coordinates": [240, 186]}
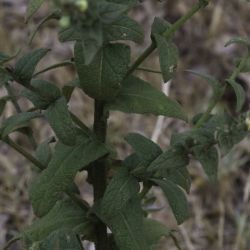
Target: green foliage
{"type": "Point", "coordinates": [138, 96]}
{"type": "Point", "coordinates": [102, 61]}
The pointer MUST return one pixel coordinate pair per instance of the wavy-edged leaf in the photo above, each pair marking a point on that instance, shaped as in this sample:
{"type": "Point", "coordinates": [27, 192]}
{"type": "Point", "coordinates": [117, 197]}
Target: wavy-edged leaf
{"type": "Point", "coordinates": [239, 92]}
{"type": "Point", "coordinates": [58, 176]}
{"type": "Point", "coordinates": [154, 232]}
{"type": "Point", "coordinates": [26, 65]}
{"type": "Point", "coordinates": [17, 121]}
{"type": "Point", "coordinates": [65, 215]}
{"type": "Point", "coordinates": [44, 93]}
{"type": "Point", "coordinates": [60, 120]}
{"type": "Point", "coordinates": [122, 188]}
{"type": "Point", "coordinates": [176, 199]}
{"type": "Point", "coordinates": [102, 78]}
{"type": "Point", "coordinates": [138, 96]}
{"type": "Point", "coordinates": [146, 149]}
{"type": "Point", "coordinates": [124, 28]}
{"type": "Point", "coordinates": [32, 8]}
{"type": "Point", "coordinates": [209, 159]}
{"type": "Point", "coordinates": [168, 56]}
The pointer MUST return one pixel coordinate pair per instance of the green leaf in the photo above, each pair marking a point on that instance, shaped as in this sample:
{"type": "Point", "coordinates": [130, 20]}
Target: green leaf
{"type": "Point", "coordinates": [179, 176]}
{"type": "Point", "coordinates": [17, 121]}
{"type": "Point", "coordinates": [209, 159]}
{"type": "Point", "coordinates": [59, 240]}
{"type": "Point", "coordinates": [109, 12]}
{"type": "Point", "coordinates": [146, 149]}
{"type": "Point", "coordinates": [67, 91]}
{"type": "Point", "coordinates": [239, 92]}
{"type": "Point", "coordinates": [168, 56]}
{"type": "Point", "coordinates": [43, 95]}
{"type": "Point", "coordinates": [32, 8]}
{"type": "Point", "coordinates": [138, 96]}
{"type": "Point", "coordinates": [26, 65]}
{"type": "Point", "coordinates": [239, 40]}
{"type": "Point", "coordinates": [176, 199]}
{"type": "Point", "coordinates": [124, 28]}
{"type": "Point", "coordinates": [122, 188]}
{"type": "Point", "coordinates": [102, 78]}
{"type": "Point", "coordinates": [127, 226]}
{"type": "Point", "coordinates": [129, 3]}
{"type": "Point", "coordinates": [58, 176]}
{"type": "Point", "coordinates": [154, 231]}
{"type": "Point", "coordinates": [172, 158]}
{"type": "Point", "coordinates": [4, 76]}
{"type": "Point", "coordinates": [65, 215]}
{"type": "Point", "coordinates": [43, 152]}
{"type": "Point", "coordinates": [159, 26]}
{"type": "Point", "coordinates": [6, 58]}
{"type": "Point", "coordinates": [215, 84]}
{"type": "Point", "coordinates": [60, 120]}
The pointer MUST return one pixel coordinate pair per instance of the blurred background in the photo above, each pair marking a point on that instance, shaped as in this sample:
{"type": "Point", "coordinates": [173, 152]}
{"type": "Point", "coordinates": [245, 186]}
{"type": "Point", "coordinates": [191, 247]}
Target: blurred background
{"type": "Point", "coordinates": [220, 214]}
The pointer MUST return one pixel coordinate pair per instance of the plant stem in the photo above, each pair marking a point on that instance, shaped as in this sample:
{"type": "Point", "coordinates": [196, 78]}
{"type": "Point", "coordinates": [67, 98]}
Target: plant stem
{"type": "Point", "coordinates": [23, 152]}
{"type": "Point", "coordinates": [167, 34]}
{"type": "Point", "coordinates": [215, 100]}
{"type": "Point", "coordinates": [98, 173]}
{"type": "Point", "coordinates": [149, 70]}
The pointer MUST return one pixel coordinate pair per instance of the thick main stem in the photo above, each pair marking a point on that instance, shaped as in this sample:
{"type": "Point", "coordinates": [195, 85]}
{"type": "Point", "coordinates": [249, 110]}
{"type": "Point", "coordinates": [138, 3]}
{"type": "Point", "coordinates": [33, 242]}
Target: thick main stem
{"type": "Point", "coordinates": [99, 173]}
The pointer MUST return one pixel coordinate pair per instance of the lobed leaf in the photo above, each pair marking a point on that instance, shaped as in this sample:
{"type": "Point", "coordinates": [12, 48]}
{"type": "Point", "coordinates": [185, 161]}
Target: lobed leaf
{"type": "Point", "coordinates": [58, 176]}
{"type": "Point", "coordinates": [25, 66]}
{"type": "Point", "coordinates": [176, 199]}
{"type": "Point", "coordinates": [102, 78]}
{"type": "Point", "coordinates": [137, 96]}
{"type": "Point", "coordinates": [17, 121]}
{"type": "Point", "coordinates": [239, 92]}
{"type": "Point", "coordinates": [60, 120]}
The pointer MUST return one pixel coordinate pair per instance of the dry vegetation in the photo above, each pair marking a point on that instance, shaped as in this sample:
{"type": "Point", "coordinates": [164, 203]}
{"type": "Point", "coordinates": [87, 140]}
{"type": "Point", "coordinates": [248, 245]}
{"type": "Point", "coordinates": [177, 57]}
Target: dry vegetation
{"type": "Point", "coordinates": [220, 214]}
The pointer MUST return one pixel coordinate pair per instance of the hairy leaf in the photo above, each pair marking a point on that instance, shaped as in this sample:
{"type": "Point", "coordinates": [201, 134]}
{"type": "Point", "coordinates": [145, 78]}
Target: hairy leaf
{"type": "Point", "coordinates": [154, 231]}
{"type": "Point", "coordinates": [208, 157]}
{"type": "Point", "coordinates": [122, 188]}
{"type": "Point", "coordinates": [65, 215]}
{"type": "Point", "coordinates": [58, 176]}
{"type": "Point", "coordinates": [33, 6]}
{"type": "Point", "coordinates": [60, 120]}
{"type": "Point", "coordinates": [239, 92]}
{"type": "Point", "coordinates": [17, 121]}
{"type": "Point", "coordinates": [168, 56]}
{"type": "Point", "coordinates": [137, 96]}
{"type": "Point", "coordinates": [176, 199]}
{"type": "Point", "coordinates": [124, 28]}
{"type": "Point", "coordinates": [102, 78]}
{"type": "Point", "coordinates": [26, 65]}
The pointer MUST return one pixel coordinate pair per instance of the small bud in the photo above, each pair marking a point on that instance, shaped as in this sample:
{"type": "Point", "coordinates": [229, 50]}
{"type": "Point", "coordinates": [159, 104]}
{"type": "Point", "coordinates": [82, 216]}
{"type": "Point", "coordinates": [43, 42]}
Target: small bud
{"type": "Point", "coordinates": [82, 5]}
{"type": "Point", "coordinates": [64, 21]}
